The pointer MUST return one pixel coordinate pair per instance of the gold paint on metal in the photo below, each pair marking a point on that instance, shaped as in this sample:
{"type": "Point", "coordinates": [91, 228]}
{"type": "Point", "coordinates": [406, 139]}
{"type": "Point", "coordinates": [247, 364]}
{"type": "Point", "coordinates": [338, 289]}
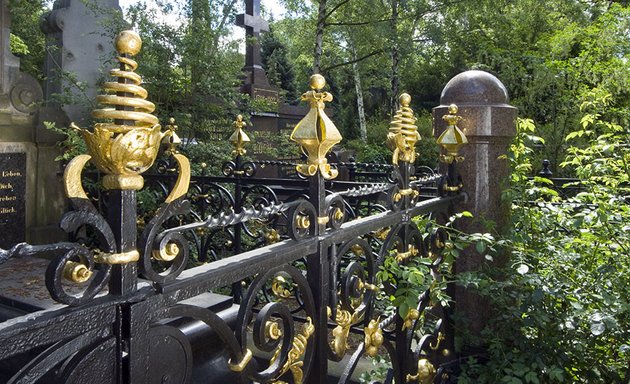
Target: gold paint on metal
{"type": "Point", "coordinates": [440, 338]}
{"type": "Point", "coordinates": [171, 139]}
{"type": "Point", "coordinates": [117, 258]}
{"type": "Point", "coordinates": [452, 139]}
{"type": "Point", "coordinates": [126, 145]}
{"type": "Point", "coordinates": [338, 214]}
{"type": "Point", "coordinates": [272, 330]}
{"type": "Point", "coordinates": [76, 272]}
{"type": "Point", "coordinates": [272, 236]}
{"type": "Point", "coordinates": [323, 220]}
{"type": "Point", "coordinates": [402, 256]}
{"type": "Point", "coordinates": [316, 133]}
{"type": "Point", "coordinates": [382, 233]}
{"type": "Point", "coordinates": [278, 287]}
{"type": "Point", "coordinates": [243, 363]}
{"type": "Point", "coordinates": [412, 316]}
{"type": "Point", "coordinates": [168, 253]}
{"type": "Point", "coordinates": [373, 338]}
{"type": "Point", "coordinates": [357, 249]}
{"type": "Point", "coordinates": [72, 184]}
{"type": "Point", "coordinates": [367, 287]}
{"type": "Point", "coordinates": [425, 374]}
{"type": "Point", "coordinates": [344, 320]}
{"type": "Point", "coordinates": [296, 353]}
{"type": "Point", "coordinates": [239, 137]}
{"type": "Point", "coordinates": [183, 178]}
{"type": "Point", "coordinates": [403, 132]}
{"type": "Point", "coordinates": [302, 222]}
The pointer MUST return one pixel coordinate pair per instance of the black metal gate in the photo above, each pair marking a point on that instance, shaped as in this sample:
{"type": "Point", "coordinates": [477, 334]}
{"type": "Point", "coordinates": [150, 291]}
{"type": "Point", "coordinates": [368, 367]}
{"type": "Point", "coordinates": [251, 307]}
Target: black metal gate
{"type": "Point", "coordinates": [287, 288]}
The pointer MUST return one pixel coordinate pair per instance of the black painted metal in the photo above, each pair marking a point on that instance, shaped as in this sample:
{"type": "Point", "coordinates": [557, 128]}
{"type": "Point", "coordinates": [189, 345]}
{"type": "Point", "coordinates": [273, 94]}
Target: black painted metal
{"type": "Point", "coordinates": [163, 328]}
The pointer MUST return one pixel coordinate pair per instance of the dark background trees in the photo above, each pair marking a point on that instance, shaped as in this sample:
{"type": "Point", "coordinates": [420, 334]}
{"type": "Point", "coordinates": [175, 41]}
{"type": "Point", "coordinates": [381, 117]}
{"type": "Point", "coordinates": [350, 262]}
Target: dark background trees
{"type": "Point", "coordinates": [549, 55]}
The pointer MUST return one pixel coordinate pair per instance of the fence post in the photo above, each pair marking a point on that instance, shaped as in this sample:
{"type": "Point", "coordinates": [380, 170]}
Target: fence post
{"type": "Point", "coordinates": [489, 123]}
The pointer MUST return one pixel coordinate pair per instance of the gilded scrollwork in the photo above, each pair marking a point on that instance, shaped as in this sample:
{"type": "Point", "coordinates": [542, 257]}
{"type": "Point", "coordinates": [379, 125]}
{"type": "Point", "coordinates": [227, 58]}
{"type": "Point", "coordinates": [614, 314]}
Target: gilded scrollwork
{"type": "Point", "coordinates": [373, 338]}
{"type": "Point", "coordinates": [341, 332]}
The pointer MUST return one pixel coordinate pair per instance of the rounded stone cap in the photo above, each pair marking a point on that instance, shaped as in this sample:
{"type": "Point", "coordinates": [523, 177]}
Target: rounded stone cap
{"type": "Point", "coordinates": [474, 87]}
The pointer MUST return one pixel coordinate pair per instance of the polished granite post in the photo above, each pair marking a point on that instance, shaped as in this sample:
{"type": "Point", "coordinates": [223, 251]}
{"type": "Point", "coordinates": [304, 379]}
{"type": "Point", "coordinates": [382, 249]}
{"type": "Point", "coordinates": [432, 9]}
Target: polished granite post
{"type": "Point", "coordinates": [489, 123]}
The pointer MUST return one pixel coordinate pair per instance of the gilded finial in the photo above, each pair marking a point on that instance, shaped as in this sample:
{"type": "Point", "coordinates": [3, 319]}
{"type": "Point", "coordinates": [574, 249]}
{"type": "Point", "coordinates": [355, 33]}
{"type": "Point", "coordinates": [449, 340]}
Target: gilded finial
{"type": "Point", "coordinates": [171, 139]}
{"type": "Point", "coordinates": [128, 43]}
{"type": "Point", "coordinates": [126, 144]}
{"type": "Point", "coordinates": [452, 139]}
{"type": "Point", "coordinates": [403, 133]}
{"type": "Point", "coordinates": [239, 137]}
{"type": "Point", "coordinates": [316, 133]}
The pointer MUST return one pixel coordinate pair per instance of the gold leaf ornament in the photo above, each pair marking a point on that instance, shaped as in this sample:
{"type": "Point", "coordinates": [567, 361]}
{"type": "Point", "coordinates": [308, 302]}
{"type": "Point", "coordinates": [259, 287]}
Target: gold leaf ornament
{"type": "Point", "coordinates": [316, 133]}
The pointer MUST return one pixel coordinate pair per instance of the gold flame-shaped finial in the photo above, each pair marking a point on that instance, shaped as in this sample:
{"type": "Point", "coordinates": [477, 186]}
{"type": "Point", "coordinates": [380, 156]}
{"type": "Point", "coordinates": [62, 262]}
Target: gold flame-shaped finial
{"type": "Point", "coordinates": [403, 132]}
{"type": "Point", "coordinates": [239, 137]}
{"type": "Point", "coordinates": [127, 144]}
{"type": "Point", "coordinates": [316, 133]}
{"type": "Point", "coordinates": [452, 139]}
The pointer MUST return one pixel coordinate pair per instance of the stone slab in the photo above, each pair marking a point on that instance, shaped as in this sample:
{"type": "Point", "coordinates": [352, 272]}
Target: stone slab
{"type": "Point", "coordinates": [12, 199]}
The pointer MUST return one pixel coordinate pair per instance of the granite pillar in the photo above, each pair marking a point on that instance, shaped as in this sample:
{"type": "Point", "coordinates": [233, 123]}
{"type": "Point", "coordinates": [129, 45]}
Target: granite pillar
{"type": "Point", "coordinates": [489, 123]}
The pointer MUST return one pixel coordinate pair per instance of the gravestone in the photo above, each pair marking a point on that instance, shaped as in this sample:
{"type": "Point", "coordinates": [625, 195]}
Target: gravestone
{"type": "Point", "coordinates": [12, 203]}
{"type": "Point", "coordinates": [276, 118]}
{"type": "Point", "coordinates": [19, 150]}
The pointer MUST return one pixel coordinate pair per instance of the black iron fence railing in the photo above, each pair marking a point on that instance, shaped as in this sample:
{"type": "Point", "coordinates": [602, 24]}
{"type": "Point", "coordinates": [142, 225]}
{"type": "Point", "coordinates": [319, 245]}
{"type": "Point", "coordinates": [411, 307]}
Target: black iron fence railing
{"type": "Point", "coordinates": [231, 279]}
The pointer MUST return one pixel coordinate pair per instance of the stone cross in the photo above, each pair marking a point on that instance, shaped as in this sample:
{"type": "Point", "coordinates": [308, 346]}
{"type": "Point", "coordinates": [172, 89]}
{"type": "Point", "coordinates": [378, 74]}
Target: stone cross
{"type": "Point", "coordinates": [253, 24]}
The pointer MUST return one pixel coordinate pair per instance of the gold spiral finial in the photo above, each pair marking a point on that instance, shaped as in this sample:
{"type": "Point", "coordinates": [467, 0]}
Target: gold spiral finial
{"type": "Point", "coordinates": [403, 132]}
{"type": "Point", "coordinates": [126, 94]}
{"type": "Point", "coordinates": [128, 142]}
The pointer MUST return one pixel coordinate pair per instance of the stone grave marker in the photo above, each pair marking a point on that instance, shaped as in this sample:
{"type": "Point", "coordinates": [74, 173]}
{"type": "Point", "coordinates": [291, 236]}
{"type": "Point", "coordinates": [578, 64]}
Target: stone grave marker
{"type": "Point", "coordinates": [12, 198]}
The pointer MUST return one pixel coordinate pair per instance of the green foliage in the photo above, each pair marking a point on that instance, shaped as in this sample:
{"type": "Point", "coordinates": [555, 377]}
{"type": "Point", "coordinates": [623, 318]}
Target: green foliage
{"type": "Point", "coordinates": [561, 302]}
{"type": "Point", "coordinates": [26, 39]}
{"type": "Point", "coordinates": [277, 65]}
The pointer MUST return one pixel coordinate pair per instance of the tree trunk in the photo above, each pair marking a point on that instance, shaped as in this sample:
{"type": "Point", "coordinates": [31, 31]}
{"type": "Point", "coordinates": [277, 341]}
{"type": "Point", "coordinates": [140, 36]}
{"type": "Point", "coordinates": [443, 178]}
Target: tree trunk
{"type": "Point", "coordinates": [319, 36]}
{"type": "Point", "coordinates": [395, 58]}
{"type": "Point", "coordinates": [359, 92]}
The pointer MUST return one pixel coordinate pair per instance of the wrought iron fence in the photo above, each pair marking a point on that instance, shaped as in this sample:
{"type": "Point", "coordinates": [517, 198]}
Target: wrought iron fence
{"type": "Point", "coordinates": [231, 278]}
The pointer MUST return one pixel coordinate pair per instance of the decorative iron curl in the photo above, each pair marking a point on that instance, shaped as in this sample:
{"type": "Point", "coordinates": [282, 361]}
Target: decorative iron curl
{"type": "Point", "coordinates": [352, 292]}
{"type": "Point", "coordinates": [303, 220]}
{"type": "Point", "coordinates": [167, 247]}
{"type": "Point", "coordinates": [336, 210]}
{"type": "Point", "coordinates": [292, 350]}
{"type": "Point", "coordinates": [69, 352]}
{"type": "Point", "coordinates": [247, 169]}
{"type": "Point", "coordinates": [94, 279]}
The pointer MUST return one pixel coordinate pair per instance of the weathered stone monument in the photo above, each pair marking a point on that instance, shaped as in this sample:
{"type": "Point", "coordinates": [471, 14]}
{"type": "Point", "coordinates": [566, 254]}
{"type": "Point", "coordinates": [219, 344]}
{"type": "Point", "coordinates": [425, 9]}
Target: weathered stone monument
{"type": "Point", "coordinates": [79, 44]}
{"type": "Point", "coordinates": [19, 147]}
{"type": "Point", "coordinates": [31, 196]}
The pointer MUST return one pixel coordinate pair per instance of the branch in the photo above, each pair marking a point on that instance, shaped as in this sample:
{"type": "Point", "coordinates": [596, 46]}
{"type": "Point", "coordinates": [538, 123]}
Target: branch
{"type": "Point", "coordinates": [335, 8]}
{"type": "Point", "coordinates": [378, 51]}
{"type": "Point", "coordinates": [358, 22]}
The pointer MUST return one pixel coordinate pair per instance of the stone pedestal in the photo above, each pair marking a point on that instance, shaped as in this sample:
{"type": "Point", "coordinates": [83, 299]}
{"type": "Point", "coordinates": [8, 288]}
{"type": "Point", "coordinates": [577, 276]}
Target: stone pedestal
{"type": "Point", "coordinates": [489, 123]}
{"type": "Point", "coordinates": [31, 198]}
